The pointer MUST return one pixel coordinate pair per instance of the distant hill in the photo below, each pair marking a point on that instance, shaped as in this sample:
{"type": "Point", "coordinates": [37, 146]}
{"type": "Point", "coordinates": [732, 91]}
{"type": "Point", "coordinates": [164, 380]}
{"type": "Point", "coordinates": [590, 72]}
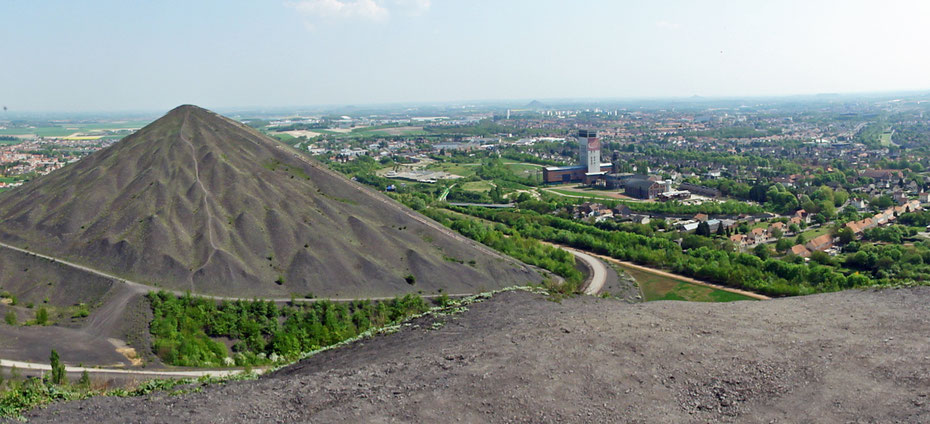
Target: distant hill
{"type": "Point", "coordinates": [535, 104]}
{"type": "Point", "coordinates": [195, 201]}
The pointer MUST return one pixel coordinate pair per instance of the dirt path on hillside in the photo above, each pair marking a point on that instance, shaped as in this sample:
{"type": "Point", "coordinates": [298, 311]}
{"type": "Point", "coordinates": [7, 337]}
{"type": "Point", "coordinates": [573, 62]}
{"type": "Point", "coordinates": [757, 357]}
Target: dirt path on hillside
{"type": "Point", "coordinates": [144, 289]}
{"type": "Point", "coordinates": [206, 196]}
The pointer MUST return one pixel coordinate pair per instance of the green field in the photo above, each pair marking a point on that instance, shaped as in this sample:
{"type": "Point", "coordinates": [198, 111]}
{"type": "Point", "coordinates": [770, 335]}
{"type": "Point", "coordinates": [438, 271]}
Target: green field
{"type": "Point", "coordinates": [816, 232]}
{"type": "Point", "coordinates": [478, 186]}
{"type": "Point", "coordinates": [525, 170]}
{"type": "Point", "coordinates": [886, 138]}
{"type": "Point", "coordinates": [284, 137]}
{"type": "Point", "coordinates": [659, 287]}
{"type": "Point", "coordinates": [580, 194]}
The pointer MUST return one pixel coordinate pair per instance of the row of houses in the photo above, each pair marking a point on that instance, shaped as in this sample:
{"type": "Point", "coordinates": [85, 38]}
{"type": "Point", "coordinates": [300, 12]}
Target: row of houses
{"type": "Point", "coordinates": [601, 212]}
{"type": "Point", "coordinates": [883, 217]}
{"type": "Point", "coordinates": [825, 242]}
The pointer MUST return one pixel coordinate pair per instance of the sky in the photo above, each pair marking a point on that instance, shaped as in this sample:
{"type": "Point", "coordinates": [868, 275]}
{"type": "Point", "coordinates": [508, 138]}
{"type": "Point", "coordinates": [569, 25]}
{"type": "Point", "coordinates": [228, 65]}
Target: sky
{"type": "Point", "coordinates": [96, 55]}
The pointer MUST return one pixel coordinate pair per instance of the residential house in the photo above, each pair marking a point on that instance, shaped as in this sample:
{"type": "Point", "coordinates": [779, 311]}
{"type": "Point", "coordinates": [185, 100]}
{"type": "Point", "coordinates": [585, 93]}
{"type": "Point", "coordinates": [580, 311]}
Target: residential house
{"type": "Point", "coordinates": [821, 243]}
{"type": "Point", "coordinates": [800, 250]}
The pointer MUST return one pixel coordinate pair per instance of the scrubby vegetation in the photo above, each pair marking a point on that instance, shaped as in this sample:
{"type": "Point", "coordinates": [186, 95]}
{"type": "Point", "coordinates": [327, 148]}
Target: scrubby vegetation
{"type": "Point", "coordinates": [18, 395]}
{"type": "Point", "coordinates": [187, 330]}
{"type": "Point", "coordinates": [512, 243]}
{"type": "Point", "coordinates": [706, 261]}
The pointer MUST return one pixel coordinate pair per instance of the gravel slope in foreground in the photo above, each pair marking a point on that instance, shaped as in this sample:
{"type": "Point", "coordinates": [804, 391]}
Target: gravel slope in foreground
{"type": "Point", "coordinates": [856, 356]}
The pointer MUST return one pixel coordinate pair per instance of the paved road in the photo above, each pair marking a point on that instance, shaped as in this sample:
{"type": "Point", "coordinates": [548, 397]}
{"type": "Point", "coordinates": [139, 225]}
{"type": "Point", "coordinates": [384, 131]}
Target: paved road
{"type": "Point", "coordinates": [598, 276]}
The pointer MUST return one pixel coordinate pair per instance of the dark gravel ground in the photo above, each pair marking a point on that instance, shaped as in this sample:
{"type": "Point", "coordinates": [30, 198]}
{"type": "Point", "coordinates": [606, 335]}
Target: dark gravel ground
{"type": "Point", "coordinates": [855, 356]}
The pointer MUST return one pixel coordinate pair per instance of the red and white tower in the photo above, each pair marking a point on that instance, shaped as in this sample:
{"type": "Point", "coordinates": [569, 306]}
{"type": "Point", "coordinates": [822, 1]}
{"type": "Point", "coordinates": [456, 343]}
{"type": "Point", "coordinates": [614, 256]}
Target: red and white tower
{"type": "Point", "coordinates": [589, 150]}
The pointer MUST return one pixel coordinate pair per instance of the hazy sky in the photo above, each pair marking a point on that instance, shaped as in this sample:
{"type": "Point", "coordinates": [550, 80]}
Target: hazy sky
{"type": "Point", "coordinates": [132, 55]}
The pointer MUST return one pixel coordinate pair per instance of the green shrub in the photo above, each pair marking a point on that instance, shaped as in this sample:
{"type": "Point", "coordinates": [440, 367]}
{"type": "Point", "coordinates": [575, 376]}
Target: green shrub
{"type": "Point", "coordinates": [42, 316]}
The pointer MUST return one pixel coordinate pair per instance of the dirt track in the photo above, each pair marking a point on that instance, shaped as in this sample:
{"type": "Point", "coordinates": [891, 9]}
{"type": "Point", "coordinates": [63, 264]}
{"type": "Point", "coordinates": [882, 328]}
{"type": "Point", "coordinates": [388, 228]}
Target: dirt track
{"type": "Point", "coordinates": [856, 356]}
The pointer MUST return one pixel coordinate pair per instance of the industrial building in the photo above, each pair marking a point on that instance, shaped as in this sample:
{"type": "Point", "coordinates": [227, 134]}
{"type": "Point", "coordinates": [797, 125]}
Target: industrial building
{"type": "Point", "coordinates": [590, 169]}
{"type": "Point", "coordinates": [642, 187]}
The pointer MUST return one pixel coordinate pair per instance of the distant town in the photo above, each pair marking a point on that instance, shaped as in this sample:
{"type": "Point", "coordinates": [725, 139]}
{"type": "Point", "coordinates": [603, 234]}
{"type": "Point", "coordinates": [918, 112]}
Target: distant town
{"type": "Point", "coordinates": [776, 173]}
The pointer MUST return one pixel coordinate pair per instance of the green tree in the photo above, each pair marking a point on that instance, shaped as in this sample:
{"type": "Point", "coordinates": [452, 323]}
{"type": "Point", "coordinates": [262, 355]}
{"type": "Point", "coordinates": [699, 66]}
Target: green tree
{"type": "Point", "coordinates": [777, 233]}
{"type": "Point", "coordinates": [840, 197]}
{"type": "Point", "coordinates": [845, 235]}
{"type": "Point", "coordinates": [703, 229]}
{"type": "Point", "coordinates": [783, 244]}
{"type": "Point", "coordinates": [58, 369]}
{"type": "Point", "coordinates": [10, 318]}
{"type": "Point", "coordinates": [827, 209]}
{"type": "Point", "coordinates": [881, 202]}
{"type": "Point", "coordinates": [763, 251]}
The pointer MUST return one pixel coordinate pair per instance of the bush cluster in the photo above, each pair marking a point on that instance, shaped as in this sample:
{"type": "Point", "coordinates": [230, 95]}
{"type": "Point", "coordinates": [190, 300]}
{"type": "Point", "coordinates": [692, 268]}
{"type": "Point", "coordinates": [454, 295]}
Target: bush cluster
{"type": "Point", "coordinates": [186, 329]}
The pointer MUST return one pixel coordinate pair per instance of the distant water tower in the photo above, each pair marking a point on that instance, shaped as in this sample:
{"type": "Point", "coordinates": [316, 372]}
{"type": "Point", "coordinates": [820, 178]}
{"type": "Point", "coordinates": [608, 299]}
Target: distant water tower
{"type": "Point", "coordinates": [589, 150]}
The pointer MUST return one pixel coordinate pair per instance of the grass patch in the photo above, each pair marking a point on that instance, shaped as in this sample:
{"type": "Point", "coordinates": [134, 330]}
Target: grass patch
{"type": "Point", "coordinates": [580, 194]}
{"type": "Point", "coordinates": [478, 186]}
{"type": "Point", "coordinates": [660, 287]}
{"type": "Point", "coordinates": [524, 170]}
